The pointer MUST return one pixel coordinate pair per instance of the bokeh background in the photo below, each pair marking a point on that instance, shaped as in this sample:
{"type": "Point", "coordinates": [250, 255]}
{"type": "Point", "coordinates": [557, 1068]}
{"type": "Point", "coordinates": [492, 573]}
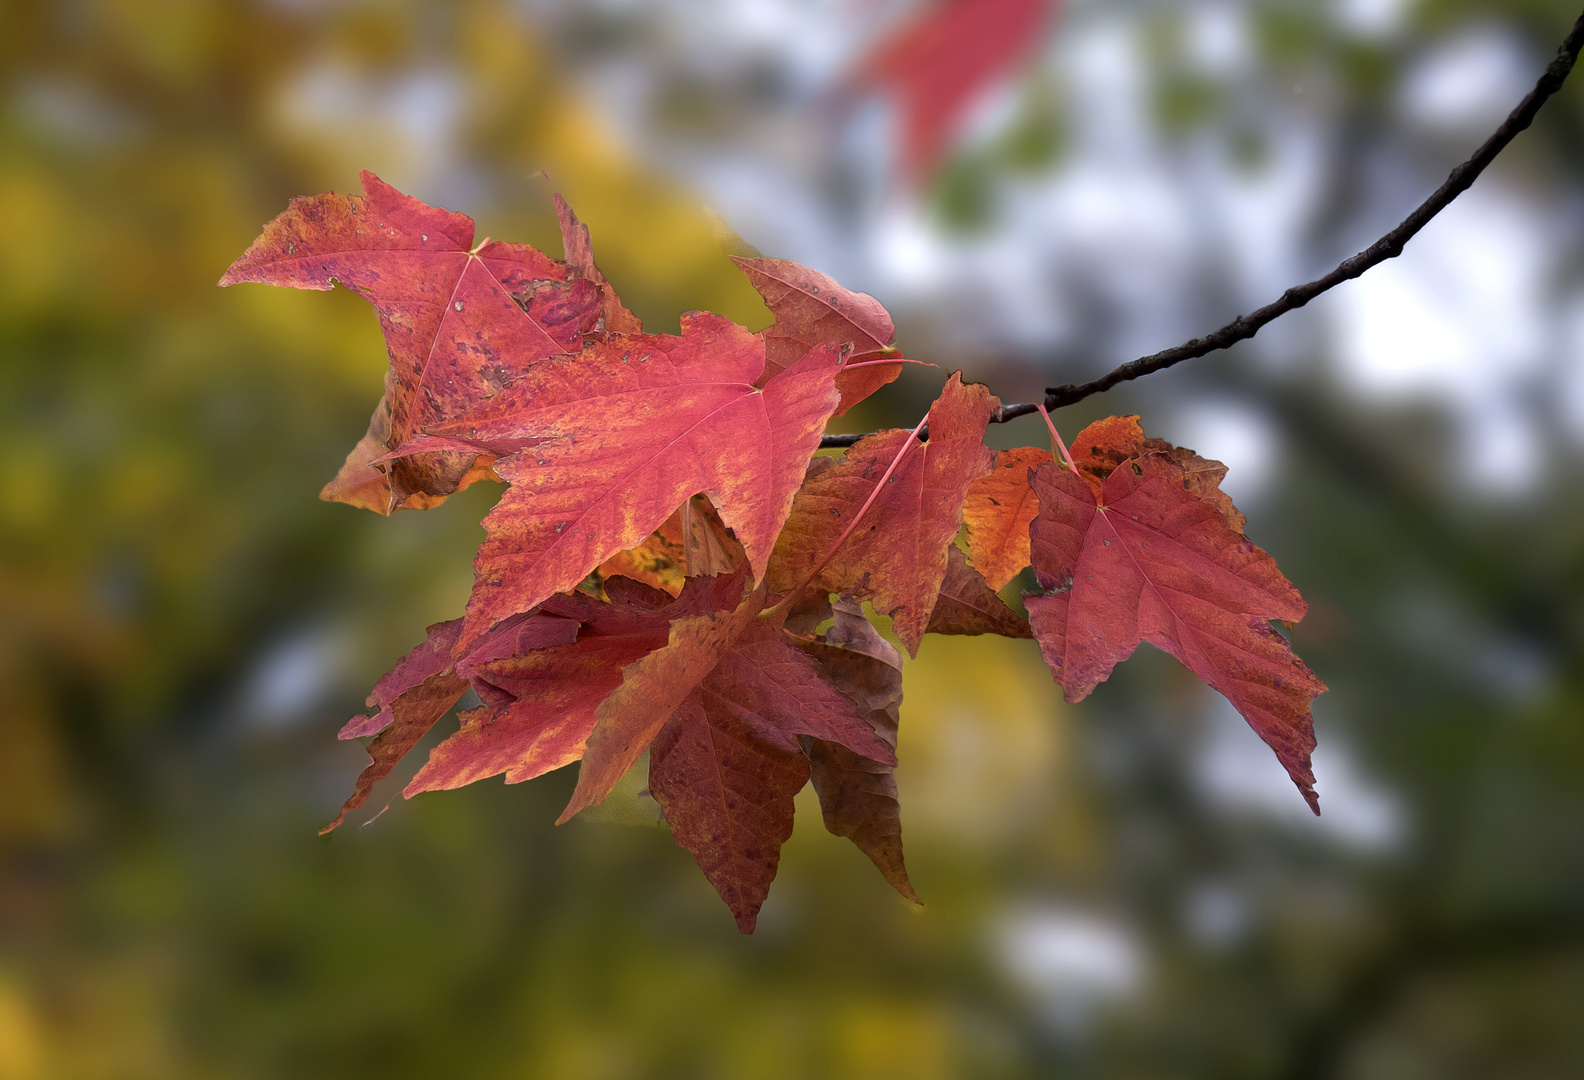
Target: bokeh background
{"type": "Point", "coordinates": [1125, 888]}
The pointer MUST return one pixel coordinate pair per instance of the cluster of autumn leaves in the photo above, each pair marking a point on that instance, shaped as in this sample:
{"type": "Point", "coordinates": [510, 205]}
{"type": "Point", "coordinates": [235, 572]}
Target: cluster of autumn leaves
{"type": "Point", "coordinates": [672, 571]}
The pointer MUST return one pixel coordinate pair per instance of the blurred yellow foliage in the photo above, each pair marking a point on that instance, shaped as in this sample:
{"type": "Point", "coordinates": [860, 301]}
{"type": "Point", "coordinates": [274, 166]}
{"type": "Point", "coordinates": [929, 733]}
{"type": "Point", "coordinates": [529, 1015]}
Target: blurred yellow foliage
{"type": "Point", "coordinates": [979, 762]}
{"type": "Point", "coordinates": [21, 1039]}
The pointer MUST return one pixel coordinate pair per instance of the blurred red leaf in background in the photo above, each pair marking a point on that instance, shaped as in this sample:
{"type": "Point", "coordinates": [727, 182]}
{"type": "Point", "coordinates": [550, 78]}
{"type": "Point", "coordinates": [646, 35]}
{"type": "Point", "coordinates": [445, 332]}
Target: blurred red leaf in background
{"type": "Point", "coordinates": [935, 65]}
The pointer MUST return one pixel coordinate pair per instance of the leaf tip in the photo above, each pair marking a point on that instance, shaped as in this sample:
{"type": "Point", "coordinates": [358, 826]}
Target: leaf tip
{"type": "Point", "coordinates": [582, 799]}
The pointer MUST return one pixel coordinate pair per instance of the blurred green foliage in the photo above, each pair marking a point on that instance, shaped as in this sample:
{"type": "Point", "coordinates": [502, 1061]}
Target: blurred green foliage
{"type": "Point", "coordinates": [168, 583]}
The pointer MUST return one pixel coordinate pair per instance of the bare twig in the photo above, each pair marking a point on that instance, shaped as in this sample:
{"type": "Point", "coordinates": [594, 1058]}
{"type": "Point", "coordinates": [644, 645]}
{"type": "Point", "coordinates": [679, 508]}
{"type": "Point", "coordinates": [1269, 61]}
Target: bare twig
{"type": "Point", "coordinates": [1387, 247]}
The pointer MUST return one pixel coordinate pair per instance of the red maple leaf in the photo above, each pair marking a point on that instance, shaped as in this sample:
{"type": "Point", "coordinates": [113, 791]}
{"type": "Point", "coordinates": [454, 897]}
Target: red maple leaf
{"type": "Point", "coordinates": [722, 697]}
{"type": "Point", "coordinates": [459, 321]}
{"type": "Point", "coordinates": [721, 706]}
{"type": "Point", "coordinates": [896, 557]}
{"type": "Point", "coordinates": [662, 488]}
{"type": "Point", "coordinates": [1153, 555]}
{"type": "Point", "coordinates": [601, 448]}
{"type": "Point", "coordinates": [937, 64]}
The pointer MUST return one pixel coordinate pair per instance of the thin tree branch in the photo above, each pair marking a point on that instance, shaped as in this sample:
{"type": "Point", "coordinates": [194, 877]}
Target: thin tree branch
{"type": "Point", "coordinates": [1387, 247]}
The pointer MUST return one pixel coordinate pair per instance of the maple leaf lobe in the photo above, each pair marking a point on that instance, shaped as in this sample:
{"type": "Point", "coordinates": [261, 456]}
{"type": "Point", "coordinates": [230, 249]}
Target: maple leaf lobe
{"type": "Point", "coordinates": [857, 794]}
{"type": "Point", "coordinates": [811, 309]}
{"type": "Point", "coordinates": [997, 511]}
{"type": "Point", "coordinates": [728, 797]}
{"type": "Point", "coordinates": [579, 252]}
{"type": "Point", "coordinates": [458, 323]}
{"type": "Point", "coordinates": [411, 698]}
